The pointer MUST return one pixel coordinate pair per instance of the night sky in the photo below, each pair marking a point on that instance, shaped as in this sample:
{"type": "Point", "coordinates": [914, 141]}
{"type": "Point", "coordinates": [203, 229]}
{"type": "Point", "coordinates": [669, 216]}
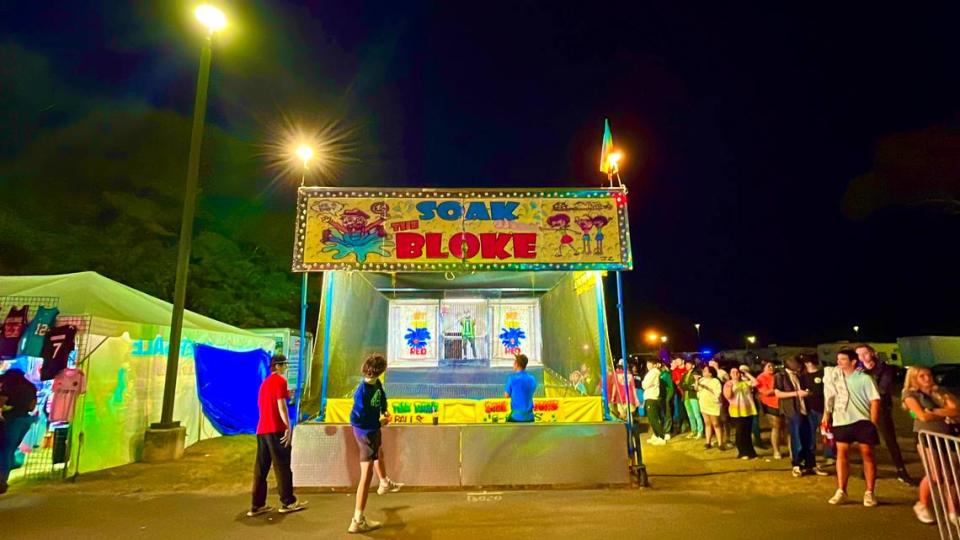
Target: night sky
{"type": "Point", "coordinates": [781, 161]}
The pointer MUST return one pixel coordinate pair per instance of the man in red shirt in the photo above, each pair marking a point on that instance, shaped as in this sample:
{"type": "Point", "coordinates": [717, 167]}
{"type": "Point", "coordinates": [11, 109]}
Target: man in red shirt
{"type": "Point", "coordinates": [274, 438]}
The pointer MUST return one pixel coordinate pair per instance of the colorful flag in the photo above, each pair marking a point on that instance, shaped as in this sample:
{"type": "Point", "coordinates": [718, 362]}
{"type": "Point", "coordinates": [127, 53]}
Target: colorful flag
{"type": "Point", "coordinates": [606, 149]}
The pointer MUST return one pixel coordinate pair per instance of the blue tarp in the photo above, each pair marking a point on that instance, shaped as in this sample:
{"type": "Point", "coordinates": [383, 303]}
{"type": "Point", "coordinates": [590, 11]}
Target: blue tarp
{"type": "Point", "coordinates": [228, 383]}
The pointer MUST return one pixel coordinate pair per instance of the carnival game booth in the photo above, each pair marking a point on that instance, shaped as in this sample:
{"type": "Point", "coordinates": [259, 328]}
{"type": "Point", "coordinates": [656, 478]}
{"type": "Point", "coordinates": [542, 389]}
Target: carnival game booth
{"type": "Point", "coordinates": [118, 360]}
{"type": "Point", "coordinates": [450, 285]}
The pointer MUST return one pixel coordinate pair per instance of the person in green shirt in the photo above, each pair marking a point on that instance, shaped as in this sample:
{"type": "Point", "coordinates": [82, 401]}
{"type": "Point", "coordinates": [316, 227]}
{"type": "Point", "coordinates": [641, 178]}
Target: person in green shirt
{"type": "Point", "coordinates": [468, 334]}
{"type": "Point", "coordinates": [666, 402]}
{"type": "Point", "coordinates": [688, 384]}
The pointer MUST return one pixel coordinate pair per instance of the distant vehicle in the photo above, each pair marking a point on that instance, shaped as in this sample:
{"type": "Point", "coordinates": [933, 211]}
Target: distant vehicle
{"type": "Point", "coordinates": [930, 350]}
{"type": "Point", "coordinates": [887, 352]}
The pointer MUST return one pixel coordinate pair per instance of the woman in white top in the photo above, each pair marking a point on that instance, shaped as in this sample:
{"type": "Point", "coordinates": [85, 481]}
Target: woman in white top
{"type": "Point", "coordinates": [651, 401]}
{"type": "Point", "coordinates": [709, 390]}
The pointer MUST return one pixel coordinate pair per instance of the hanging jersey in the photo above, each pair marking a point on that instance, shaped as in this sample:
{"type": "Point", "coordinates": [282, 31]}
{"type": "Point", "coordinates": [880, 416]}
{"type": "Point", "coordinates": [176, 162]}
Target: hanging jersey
{"type": "Point", "coordinates": [61, 341]}
{"type": "Point", "coordinates": [67, 385]}
{"type": "Point", "coordinates": [13, 327]}
{"type": "Point", "coordinates": [31, 343]}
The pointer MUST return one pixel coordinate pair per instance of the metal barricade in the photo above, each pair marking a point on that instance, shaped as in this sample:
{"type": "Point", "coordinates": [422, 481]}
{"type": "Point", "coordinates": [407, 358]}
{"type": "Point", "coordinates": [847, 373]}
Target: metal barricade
{"type": "Point", "coordinates": [941, 462]}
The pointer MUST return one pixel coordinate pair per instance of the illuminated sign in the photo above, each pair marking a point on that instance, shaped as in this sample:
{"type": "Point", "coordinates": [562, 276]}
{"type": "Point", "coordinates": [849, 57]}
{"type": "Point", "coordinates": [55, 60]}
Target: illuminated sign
{"type": "Point", "coordinates": [429, 230]}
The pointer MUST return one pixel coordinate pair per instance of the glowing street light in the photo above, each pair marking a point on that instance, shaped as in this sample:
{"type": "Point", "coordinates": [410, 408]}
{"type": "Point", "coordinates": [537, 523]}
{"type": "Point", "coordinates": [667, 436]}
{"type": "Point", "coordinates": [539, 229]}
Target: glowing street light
{"type": "Point", "coordinates": [305, 153]}
{"type": "Point", "coordinates": [214, 20]}
{"type": "Point", "coordinates": [211, 17]}
{"type": "Point", "coordinates": [697, 326]}
{"type": "Point", "coordinates": [751, 339]}
{"type": "Point", "coordinates": [652, 337]}
{"type": "Point", "coordinates": [663, 339]}
{"type": "Point", "coordinates": [856, 330]}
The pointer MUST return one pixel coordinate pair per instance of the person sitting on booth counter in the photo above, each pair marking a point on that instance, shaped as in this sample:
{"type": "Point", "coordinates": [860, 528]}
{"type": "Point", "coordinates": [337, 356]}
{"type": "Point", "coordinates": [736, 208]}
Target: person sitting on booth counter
{"type": "Point", "coordinates": [520, 388]}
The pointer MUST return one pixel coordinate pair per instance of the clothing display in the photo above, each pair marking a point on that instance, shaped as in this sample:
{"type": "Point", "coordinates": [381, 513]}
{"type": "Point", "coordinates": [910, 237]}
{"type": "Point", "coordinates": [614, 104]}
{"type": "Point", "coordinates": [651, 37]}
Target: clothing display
{"type": "Point", "coordinates": [34, 336]}
{"type": "Point", "coordinates": [61, 341]}
{"type": "Point", "coordinates": [67, 385]}
{"type": "Point", "coordinates": [13, 327]}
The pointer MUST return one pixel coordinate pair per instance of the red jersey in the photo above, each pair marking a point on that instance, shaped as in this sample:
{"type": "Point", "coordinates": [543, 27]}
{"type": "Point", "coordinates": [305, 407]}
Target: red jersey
{"type": "Point", "coordinates": [272, 389]}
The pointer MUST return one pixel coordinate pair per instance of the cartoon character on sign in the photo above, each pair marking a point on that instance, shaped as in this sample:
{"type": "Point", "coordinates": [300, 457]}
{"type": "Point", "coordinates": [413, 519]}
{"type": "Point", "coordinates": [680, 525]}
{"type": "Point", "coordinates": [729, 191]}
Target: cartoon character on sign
{"type": "Point", "coordinates": [354, 234]}
{"type": "Point", "coordinates": [599, 222]}
{"type": "Point", "coordinates": [417, 339]}
{"type": "Point", "coordinates": [585, 223]}
{"type": "Point", "coordinates": [561, 223]}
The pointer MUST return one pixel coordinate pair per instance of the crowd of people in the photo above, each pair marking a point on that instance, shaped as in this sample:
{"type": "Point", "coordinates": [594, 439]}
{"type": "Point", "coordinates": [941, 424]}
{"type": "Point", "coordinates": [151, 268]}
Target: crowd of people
{"type": "Point", "coordinates": [817, 413]}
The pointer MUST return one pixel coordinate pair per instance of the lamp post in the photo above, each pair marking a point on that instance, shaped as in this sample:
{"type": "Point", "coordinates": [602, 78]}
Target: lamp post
{"type": "Point", "coordinates": [305, 153]}
{"type": "Point", "coordinates": [697, 326]}
{"type": "Point", "coordinates": [856, 332]}
{"type": "Point", "coordinates": [214, 20]}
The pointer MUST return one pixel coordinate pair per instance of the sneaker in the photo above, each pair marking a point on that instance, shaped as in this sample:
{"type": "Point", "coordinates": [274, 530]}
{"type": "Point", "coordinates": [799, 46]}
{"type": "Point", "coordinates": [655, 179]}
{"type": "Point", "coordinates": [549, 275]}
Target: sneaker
{"type": "Point", "coordinates": [656, 441]}
{"type": "Point", "coordinates": [699, 435]}
{"type": "Point", "coordinates": [692, 436]}
{"type": "Point", "coordinates": [362, 525]}
{"type": "Point", "coordinates": [869, 499]}
{"type": "Point", "coordinates": [389, 487]}
{"type": "Point", "coordinates": [820, 472]}
{"type": "Point", "coordinates": [777, 455]}
{"type": "Point", "coordinates": [904, 477]}
{"type": "Point", "coordinates": [797, 473]}
{"type": "Point", "coordinates": [839, 497]}
{"type": "Point", "coordinates": [253, 512]}
{"type": "Point", "coordinates": [291, 508]}
{"type": "Point", "coordinates": [923, 513]}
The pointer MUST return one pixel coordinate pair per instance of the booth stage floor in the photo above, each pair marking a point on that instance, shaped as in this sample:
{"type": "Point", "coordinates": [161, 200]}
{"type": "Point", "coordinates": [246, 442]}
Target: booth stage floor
{"type": "Point", "coordinates": [458, 382]}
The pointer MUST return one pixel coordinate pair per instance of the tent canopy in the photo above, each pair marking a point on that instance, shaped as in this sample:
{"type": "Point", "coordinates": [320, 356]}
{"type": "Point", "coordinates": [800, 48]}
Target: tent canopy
{"type": "Point", "coordinates": [92, 294]}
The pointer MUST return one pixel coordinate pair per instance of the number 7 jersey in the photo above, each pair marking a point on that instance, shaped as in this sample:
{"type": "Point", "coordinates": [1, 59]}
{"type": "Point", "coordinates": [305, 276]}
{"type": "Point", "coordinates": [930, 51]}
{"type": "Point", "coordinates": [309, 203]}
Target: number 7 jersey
{"type": "Point", "coordinates": [60, 342]}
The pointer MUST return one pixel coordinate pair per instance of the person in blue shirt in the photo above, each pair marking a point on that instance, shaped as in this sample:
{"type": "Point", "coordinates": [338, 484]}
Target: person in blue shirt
{"type": "Point", "coordinates": [520, 388]}
{"type": "Point", "coordinates": [368, 416]}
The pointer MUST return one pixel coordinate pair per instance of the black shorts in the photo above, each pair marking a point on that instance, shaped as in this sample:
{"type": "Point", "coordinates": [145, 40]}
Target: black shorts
{"type": "Point", "coordinates": [368, 444]}
{"type": "Point", "coordinates": [771, 411]}
{"type": "Point", "coordinates": [863, 432]}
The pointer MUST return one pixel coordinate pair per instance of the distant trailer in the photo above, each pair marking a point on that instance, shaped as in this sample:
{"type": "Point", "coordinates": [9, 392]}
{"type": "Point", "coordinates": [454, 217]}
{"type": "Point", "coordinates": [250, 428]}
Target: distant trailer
{"type": "Point", "coordinates": [888, 352]}
{"type": "Point", "coordinates": [930, 350]}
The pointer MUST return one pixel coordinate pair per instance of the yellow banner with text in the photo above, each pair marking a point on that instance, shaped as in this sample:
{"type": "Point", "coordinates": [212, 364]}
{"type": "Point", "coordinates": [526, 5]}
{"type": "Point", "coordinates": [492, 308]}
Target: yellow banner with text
{"type": "Point", "coordinates": [430, 230]}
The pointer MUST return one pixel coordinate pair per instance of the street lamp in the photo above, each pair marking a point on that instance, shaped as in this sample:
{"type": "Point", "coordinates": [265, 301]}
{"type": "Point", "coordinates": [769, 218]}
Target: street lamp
{"type": "Point", "coordinates": [305, 153]}
{"type": "Point", "coordinates": [856, 331]}
{"type": "Point", "coordinates": [214, 20]}
{"type": "Point", "coordinates": [663, 339]}
{"type": "Point", "coordinates": [697, 326]}
{"type": "Point", "coordinates": [751, 339]}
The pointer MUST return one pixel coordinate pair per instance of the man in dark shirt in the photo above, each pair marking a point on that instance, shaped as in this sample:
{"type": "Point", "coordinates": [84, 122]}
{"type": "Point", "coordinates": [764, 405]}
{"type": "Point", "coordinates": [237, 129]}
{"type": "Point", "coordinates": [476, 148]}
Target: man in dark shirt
{"type": "Point", "coordinates": [812, 380]}
{"type": "Point", "coordinates": [18, 397]}
{"type": "Point", "coordinates": [885, 377]}
{"type": "Point", "coordinates": [792, 396]}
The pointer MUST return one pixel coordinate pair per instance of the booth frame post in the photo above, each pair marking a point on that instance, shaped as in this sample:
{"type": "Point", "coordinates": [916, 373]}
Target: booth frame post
{"type": "Point", "coordinates": [602, 344]}
{"type": "Point", "coordinates": [303, 345]}
{"type": "Point", "coordinates": [631, 451]}
{"type": "Point", "coordinates": [327, 300]}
